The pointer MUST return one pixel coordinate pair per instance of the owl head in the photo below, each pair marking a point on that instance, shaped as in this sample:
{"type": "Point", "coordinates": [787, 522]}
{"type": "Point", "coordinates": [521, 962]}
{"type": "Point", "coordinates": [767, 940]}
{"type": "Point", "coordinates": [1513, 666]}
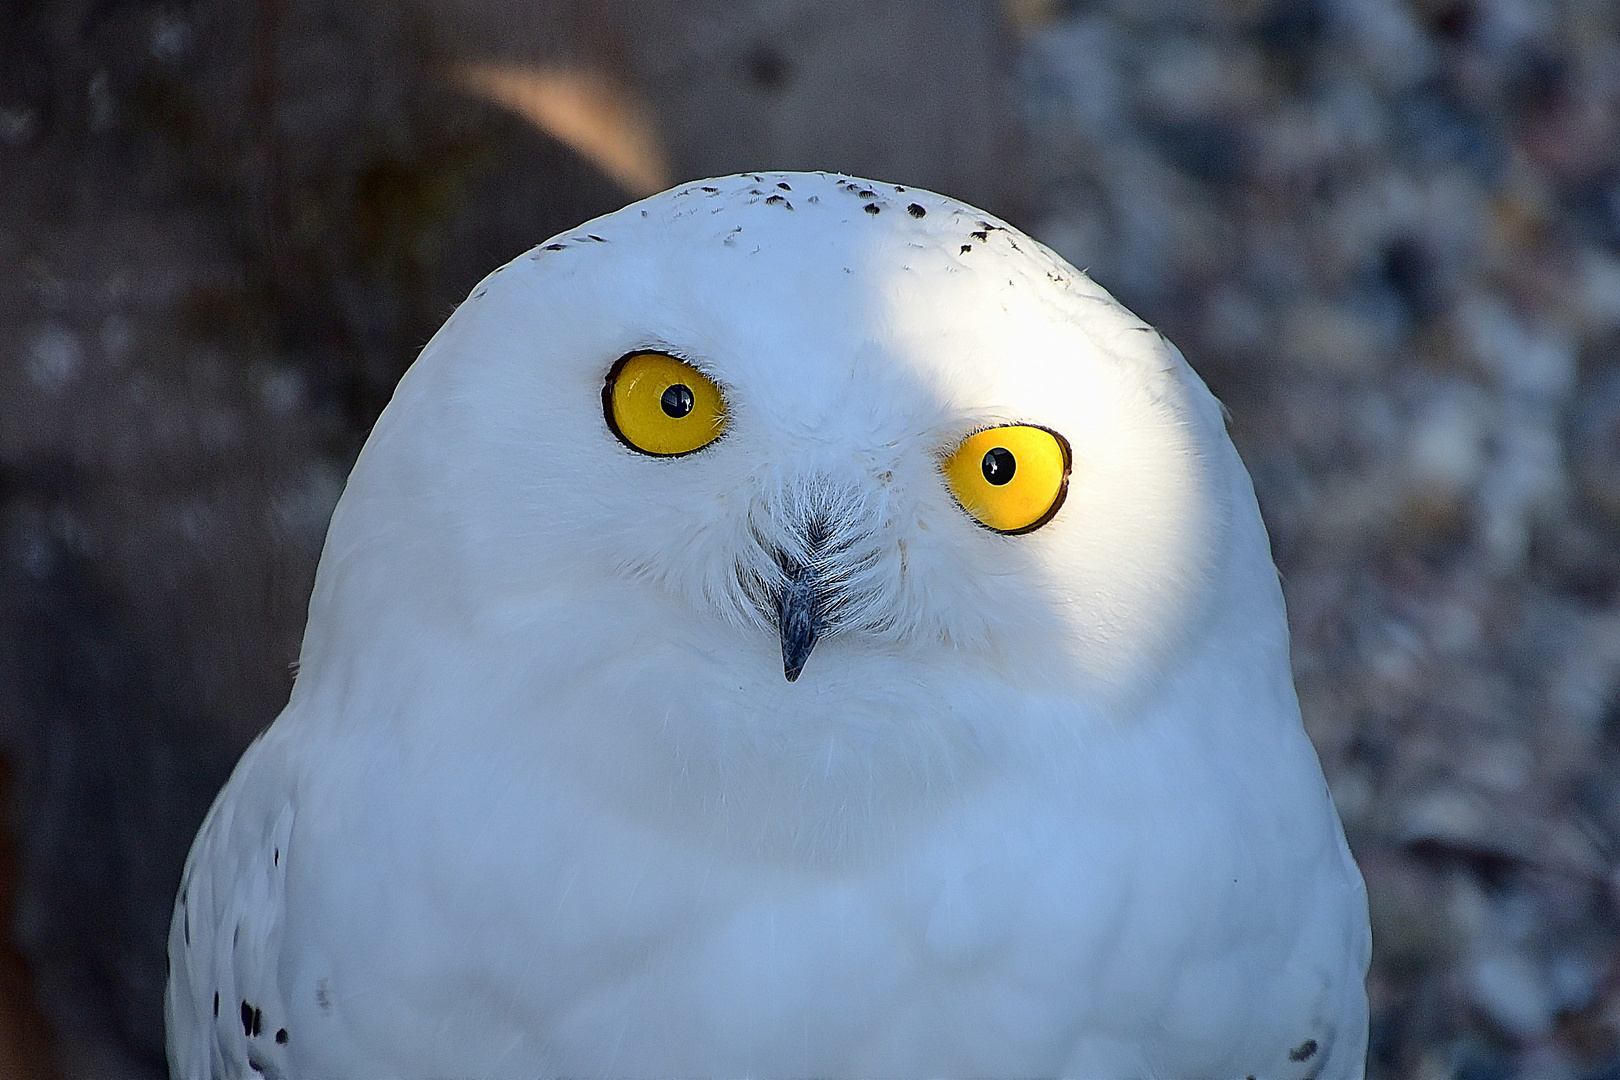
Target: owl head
{"type": "Point", "coordinates": [771, 460]}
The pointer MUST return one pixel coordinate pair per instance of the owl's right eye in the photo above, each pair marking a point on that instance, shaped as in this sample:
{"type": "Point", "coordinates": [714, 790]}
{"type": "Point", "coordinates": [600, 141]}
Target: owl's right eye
{"type": "Point", "coordinates": [1012, 478]}
{"type": "Point", "coordinates": [659, 405]}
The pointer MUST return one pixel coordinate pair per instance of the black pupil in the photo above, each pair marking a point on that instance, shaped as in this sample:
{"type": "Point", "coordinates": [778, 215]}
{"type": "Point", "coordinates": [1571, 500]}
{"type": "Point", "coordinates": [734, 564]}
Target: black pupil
{"type": "Point", "coordinates": [999, 465]}
{"type": "Point", "coordinates": [678, 401]}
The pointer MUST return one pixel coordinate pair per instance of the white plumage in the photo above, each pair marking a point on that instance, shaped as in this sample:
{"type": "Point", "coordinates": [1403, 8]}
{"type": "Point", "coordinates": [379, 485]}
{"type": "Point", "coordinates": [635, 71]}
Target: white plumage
{"type": "Point", "coordinates": [543, 803]}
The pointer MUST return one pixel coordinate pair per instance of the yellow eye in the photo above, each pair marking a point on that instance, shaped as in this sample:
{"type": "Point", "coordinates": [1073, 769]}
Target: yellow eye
{"type": "Point", "coordinates": [663, 406]}
{"type": "Point", "coordinates": [1011, 478]}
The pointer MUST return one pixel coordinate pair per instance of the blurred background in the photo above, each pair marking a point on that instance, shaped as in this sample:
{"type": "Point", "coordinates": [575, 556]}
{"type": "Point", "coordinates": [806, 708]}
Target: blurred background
{"type": "Point", "coordinates": [1387, 233]}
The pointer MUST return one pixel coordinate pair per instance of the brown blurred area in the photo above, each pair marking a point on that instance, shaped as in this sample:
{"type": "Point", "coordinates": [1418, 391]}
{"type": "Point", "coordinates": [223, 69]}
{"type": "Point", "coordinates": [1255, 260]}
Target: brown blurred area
{"type": "Point", "coordinates": [226, 227]}
{"type": "Point", "coordinates": [1387, 232]}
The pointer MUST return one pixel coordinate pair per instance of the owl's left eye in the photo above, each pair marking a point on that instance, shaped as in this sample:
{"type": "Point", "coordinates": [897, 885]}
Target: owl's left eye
{"type": "Point", "coordinates": [1011, 478]}
{"type": "Point", "coordinates": [663, 406]}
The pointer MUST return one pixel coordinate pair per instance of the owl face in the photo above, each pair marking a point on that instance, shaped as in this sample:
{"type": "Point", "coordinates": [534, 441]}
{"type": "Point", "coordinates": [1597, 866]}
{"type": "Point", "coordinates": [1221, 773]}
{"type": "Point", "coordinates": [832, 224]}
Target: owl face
{"type": "Point", "coordinates": [845, 422]}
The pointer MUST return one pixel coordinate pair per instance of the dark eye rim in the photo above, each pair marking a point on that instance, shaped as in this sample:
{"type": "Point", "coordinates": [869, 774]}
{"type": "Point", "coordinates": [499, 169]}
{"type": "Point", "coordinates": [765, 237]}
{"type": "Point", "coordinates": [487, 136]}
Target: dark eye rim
{"type": "Point", "coordinates": [1063, 482]}
{"type": "Point", "coordinates": [607, 402]}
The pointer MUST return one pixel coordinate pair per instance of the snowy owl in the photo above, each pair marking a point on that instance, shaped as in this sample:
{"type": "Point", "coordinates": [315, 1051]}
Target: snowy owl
{"type": "Point", "coordinates": [791, 626]}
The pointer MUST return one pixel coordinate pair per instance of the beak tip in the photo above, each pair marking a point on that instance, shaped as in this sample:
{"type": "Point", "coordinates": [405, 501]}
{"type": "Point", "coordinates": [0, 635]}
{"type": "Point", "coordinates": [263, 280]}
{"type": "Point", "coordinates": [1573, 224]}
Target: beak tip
{"type": "Point", "coordinates": [793, 657]}
{"type": "Point", "coordinates": [799, 621]}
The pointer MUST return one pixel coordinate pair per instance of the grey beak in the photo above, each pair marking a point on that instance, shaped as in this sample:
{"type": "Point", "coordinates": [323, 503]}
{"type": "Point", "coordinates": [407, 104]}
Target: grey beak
{"type": "Point", "coordinates": [798, 616]}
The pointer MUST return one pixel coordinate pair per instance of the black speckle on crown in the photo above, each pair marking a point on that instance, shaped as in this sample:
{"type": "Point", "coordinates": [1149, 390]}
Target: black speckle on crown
{"type": "Point", "coordinates": [281, 1036]}
{"type": "Point", "coordinates": [872, 208]}
{"type": "Point", "coordinates": [712, 190]}
{"type": "Point", "coordinates": [784, 185]}
{"type": "Point", "coordinates": [982, 234]}
{"type": "Point", "coordinates": [555, 247]}
{"type": "Point", "coordinates": [899, 189]}
{"type": "Point", "coordinates": [916, 210]}
{"type": "Point", "coordinates": [867, 193]}
{"type": "Point", "coordinates": [966, 248]}
{"type": "Point", "coordinates": [777, 200]}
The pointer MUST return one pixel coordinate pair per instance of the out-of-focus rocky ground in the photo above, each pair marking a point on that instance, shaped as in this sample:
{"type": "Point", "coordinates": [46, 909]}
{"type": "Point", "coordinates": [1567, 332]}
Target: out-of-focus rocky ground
{"type": "Point", "coordinates": [1388, 234]}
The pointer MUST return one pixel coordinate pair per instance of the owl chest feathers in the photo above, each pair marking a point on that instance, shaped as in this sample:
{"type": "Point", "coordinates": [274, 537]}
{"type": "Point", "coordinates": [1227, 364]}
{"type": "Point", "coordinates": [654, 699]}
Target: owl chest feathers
{"type": "Point", "coordinates": [1033, 914]}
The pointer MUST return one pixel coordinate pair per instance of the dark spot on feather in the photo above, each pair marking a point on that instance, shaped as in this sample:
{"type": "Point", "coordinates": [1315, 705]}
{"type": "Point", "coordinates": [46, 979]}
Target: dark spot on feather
{"type": "Point", "coordinates": [598, 239]}
{"type": "Point", "coordinates": [712, 190]}
{"type": "Point", "coordinates": [277, 859]}
{"type": "Point", "coordinates": [1303, 1051]}
{"type": "Point", "coordinates": [281, 1035]}
{"type": "Point", "coordinates": [322, 997]}
{"type": "Point", "coordinates": [555, 247]}
{"type": "Point", "coordinates": [777, 200]}
{"type": "Point", "coordinates": [897, 187]}
{"type": "Point", "coordinates": [255, 1066]}
{"type": "Point", "coordinates": [966, 248]}
{"type": "Point", "coordinates": [783, 185]}
{"type": "Point", "coordinates": [981, 235]}
{"type": "Point", "coordinates": [216, 1004]}
{"type": "Point", "coordinates": [815, 198]}
{"type": "Point", "coordinates": [916, 210]}
{"type": "Point", "coordinates": [871, 208]}
{"type": "Point", "coordinates": [236, 935]}
{"type": "Point", "coordinates": [867, 193]}
{"type": "Point", "coordinates": [185, 920]}
{"type": "Point", "coordinates": [247, 1019]}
